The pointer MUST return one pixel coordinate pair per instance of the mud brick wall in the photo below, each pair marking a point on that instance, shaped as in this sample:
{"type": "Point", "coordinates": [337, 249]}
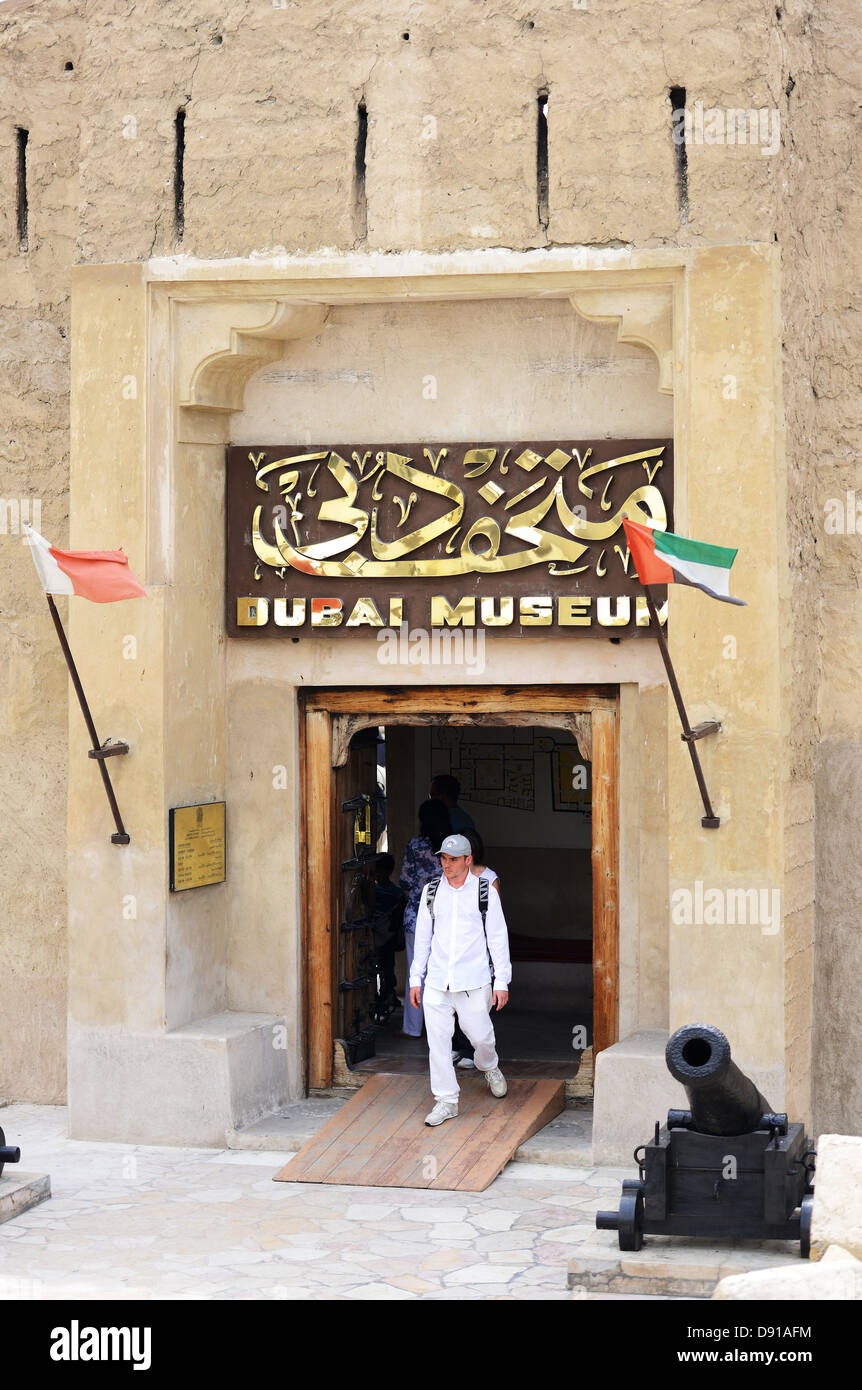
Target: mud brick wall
{"type": "Point", "coordinates": [381, 127]}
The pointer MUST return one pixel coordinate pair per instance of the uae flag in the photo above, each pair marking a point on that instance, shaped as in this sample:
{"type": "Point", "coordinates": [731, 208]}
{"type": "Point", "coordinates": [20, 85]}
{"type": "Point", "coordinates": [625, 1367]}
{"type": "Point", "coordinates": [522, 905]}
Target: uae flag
{"type": "Point", "coordinates": [662, 558]}
{"type": "Point", "coordinates": [102, 576]}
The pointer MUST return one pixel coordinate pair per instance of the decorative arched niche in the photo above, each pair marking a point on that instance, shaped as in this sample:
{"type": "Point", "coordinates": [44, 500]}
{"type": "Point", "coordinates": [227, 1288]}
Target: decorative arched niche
{"type": "Point", "coordinates": [219, 343]}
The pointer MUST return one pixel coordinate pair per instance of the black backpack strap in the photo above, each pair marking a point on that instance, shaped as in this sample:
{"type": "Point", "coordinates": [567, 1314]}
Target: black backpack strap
{"type": "Point", "coordinates": [484, 885]}
{"type": "Point", "coordinates": [430, 895]}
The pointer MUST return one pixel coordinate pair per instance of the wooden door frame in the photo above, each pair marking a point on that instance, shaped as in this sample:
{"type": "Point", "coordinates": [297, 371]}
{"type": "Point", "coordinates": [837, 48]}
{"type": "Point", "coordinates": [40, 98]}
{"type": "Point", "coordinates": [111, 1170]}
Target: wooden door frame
{"type": "Point", "coordinates": [320, 717]}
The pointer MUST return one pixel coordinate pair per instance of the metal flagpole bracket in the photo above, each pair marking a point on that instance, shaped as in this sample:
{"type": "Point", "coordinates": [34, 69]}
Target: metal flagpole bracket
{"type": "Point", "coordinates": [111, 748]}
{"type": "Point", "coordinates": [707, 726]}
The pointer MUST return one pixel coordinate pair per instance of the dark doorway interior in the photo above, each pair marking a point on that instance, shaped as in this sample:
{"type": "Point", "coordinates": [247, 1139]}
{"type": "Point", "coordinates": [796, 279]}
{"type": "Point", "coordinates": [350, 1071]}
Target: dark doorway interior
{"type": "Point", "coordinates": [528, 792]}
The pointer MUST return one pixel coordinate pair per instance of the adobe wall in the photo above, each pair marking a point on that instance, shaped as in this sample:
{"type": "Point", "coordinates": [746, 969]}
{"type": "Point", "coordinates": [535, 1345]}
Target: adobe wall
{"type": "Point", "coordinates": [271, 95]}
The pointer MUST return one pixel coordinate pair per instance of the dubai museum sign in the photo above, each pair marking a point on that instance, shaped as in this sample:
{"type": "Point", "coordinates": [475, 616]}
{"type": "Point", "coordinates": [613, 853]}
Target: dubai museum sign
{"type": "Point", "coordinates": [511, 537]}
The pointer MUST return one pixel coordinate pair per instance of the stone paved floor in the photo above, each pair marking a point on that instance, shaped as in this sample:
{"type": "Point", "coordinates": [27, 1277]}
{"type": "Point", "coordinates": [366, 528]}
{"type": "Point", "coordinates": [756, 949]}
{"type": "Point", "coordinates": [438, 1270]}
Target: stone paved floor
{"type": "Point", "coordinates": [144, 1222]}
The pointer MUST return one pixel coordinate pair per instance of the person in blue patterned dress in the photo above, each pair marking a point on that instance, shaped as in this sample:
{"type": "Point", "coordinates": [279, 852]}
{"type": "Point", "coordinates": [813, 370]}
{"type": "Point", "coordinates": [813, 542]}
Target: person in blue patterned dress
{"type": "Point", "coordinates": [420, 864]}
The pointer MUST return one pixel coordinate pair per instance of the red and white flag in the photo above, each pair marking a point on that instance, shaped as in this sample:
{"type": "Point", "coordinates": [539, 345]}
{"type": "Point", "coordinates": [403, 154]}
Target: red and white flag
{"type": "Point", "coordinates": [102, 576]}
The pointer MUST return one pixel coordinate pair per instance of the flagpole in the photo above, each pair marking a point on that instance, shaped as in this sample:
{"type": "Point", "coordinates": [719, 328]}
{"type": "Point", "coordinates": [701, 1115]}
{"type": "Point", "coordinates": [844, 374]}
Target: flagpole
{"type": "Point", "coordinates": [121, 837]}
{"type": "Point", "coordinates": [710, 821]}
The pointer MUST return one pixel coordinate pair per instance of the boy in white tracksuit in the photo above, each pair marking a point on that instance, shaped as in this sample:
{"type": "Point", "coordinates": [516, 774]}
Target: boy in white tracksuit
{"type": "Point", "coordinates": [451, 956]}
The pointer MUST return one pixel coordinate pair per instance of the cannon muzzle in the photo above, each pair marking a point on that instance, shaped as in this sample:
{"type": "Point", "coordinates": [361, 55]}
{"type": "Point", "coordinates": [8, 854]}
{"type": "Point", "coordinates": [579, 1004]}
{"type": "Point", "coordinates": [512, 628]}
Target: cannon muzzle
{"type": "Point", "coordinates": [722, 1100]}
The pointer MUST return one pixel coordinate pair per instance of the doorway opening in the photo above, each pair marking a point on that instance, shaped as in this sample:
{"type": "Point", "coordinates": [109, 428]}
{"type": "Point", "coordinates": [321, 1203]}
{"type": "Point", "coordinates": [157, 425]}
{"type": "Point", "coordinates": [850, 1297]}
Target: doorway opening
{"type": "Point", "coordinates": [537, 775]}
{"type": "Point", "coordinates": [527, 792]}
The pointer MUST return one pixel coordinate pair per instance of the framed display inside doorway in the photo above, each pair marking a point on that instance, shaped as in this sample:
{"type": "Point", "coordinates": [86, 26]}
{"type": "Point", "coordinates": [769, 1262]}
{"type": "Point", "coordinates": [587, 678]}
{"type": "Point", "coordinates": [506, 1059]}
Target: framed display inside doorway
{"type": "Point", "coordinates": [571, 781]}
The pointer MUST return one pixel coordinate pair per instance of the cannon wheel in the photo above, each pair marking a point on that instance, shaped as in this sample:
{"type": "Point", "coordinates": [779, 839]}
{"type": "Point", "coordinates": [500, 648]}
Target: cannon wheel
{"type": "Point", "coordinates": [805, 1213]}
{"type": "Point", "coordinates": [631, 1216]}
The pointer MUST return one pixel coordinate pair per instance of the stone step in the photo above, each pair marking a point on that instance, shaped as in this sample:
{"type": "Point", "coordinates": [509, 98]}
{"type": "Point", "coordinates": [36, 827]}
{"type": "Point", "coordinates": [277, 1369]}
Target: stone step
{"type": "Point", "coordinates": [669, 1266]}
{"type": "Point", "coordinates": [20, 1191]}
{"type": "Point", "coordinates": [289, 1128]}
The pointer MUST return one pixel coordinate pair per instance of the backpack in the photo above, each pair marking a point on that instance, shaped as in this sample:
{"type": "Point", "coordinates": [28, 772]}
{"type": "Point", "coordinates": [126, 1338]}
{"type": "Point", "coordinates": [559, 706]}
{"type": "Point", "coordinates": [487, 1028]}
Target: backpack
{"type": "Point", "coordinates": [483, 898]}
{"type": "Point", "coordinates": [484, 886]}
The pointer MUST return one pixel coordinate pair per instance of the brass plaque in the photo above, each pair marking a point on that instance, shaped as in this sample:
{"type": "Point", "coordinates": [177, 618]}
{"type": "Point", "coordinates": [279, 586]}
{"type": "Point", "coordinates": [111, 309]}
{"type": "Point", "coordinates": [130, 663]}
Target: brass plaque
{"type": "Point", "coordinates": [197, 840]}
{"type": "Point", "coordinates": [507, 537]}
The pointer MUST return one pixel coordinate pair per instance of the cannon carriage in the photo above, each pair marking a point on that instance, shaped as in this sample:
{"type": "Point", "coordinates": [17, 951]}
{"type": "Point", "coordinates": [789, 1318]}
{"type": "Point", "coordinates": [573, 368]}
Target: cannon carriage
{"type": "Point", "coordinates": [9, 1153]}
{"type": "Point", "coordinates": [729, 1166]}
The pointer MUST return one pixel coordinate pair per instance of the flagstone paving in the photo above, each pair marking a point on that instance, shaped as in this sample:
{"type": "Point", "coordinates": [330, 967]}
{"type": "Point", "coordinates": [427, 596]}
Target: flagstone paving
{"type": "Point", "coordinates": [129, 1221]}
{"type": "Point", "coordinates": [135, 1222]}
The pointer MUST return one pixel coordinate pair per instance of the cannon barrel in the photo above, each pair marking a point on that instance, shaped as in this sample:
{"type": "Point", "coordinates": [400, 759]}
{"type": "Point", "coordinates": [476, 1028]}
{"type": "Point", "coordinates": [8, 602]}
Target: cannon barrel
{"type": "Point", "coordinates": [721, 1098]}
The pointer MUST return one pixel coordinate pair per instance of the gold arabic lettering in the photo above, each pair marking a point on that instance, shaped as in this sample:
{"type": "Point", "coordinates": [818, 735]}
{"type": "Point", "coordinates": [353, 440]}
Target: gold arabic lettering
{"type": "Point", "coordinates": [338, 556]}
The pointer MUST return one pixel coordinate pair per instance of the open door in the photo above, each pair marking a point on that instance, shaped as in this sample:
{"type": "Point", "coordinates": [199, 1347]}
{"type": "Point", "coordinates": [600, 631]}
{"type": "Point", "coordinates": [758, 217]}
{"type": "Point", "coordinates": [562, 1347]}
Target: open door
{"type": "Point", "coordinates": [356, 801]}
{"type": "Point", "coordinates": [339, 759]}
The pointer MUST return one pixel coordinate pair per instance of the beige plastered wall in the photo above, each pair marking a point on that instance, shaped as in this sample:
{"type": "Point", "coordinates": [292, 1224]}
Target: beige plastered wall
{"type": "Point", "coordinates": [185, 1010]}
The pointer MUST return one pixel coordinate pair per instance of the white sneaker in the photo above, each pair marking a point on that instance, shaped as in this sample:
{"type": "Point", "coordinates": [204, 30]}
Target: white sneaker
{"type": "Point", "coordinates": [443, 1110]}
{"type": "Point", "coordinates": [464, 1062]}
{"type": "Point", "coordinates": [496, 1082]}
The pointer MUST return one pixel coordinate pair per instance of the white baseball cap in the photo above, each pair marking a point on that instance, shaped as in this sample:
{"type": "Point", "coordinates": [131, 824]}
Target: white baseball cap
{"type": "Point", "coordinates": [455, 844]}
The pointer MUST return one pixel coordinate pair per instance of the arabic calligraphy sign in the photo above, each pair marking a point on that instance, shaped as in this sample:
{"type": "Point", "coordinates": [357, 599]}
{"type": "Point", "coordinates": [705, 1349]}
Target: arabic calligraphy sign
{"type": "Point", "coordinates": [510, 536]}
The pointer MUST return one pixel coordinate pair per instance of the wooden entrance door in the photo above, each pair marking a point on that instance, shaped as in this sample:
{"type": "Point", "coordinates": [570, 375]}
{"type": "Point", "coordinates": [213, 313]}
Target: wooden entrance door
{"type": "Point", "coordinates": [332, 716]}
{"type": "Point", "coordinates": [355, 860]}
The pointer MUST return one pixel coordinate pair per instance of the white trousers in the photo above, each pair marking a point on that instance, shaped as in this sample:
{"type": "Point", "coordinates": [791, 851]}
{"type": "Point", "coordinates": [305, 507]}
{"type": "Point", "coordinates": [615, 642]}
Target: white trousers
{"type": "Point", "coordinates": [472, 1007]}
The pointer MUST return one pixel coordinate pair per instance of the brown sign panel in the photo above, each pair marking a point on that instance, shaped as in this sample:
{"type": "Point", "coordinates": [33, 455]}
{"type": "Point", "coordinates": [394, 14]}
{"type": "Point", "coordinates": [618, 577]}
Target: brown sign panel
{"type": "Point", "coordinates": [509, 537]}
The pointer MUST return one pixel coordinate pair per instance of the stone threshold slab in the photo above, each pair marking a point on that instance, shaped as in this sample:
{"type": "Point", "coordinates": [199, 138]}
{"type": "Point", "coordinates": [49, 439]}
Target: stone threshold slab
{"type": "Point", "coordinates": [681, 1267]}
{"type": "Point", "coordinates": [21, 1191]}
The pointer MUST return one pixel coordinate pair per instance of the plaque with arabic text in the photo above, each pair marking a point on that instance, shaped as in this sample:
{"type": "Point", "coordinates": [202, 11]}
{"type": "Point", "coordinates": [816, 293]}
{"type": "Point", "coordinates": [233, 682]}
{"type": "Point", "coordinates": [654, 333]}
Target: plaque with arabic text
{"type": "Point", "coordinates": [508, 537]}
{"type": "Point", "coordinates": [197, 845]}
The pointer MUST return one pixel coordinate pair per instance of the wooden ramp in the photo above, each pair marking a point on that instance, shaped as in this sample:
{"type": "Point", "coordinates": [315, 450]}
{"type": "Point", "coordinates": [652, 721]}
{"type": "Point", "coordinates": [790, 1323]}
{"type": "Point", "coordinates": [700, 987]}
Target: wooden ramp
{"type": "Point", "coordinates": [380, 1139]}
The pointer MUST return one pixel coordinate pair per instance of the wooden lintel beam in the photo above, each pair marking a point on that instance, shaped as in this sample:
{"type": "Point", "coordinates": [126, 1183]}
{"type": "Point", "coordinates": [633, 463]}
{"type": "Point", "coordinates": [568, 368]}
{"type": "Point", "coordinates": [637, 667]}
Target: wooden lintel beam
{"type": "Point", "coordinates": [449, 700]}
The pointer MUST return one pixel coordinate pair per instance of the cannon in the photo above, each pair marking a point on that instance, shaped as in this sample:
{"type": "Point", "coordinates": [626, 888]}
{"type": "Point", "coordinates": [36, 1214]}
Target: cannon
{"type": "Point", "coordinates": [729, 1166]}
{"type": "Point", "coordinates": [8, 1153]}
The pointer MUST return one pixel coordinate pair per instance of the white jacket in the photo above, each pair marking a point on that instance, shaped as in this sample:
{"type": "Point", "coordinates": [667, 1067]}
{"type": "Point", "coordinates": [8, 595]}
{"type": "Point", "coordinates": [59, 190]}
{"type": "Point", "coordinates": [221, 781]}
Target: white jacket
{"type": "Point", "coordinates": [452, 953]}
